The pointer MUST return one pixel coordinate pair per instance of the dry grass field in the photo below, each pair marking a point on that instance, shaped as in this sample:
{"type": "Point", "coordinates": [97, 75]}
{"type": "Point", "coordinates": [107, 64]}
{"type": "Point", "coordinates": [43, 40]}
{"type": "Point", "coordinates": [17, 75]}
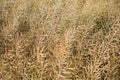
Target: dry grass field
{"type": "Point", "coordinates": [59, 39]}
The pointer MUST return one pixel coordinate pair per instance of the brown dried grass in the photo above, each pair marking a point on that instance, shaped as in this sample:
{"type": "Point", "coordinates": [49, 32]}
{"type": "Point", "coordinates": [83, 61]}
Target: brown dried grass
{"type": "Point", "coordinates": [59, 40]}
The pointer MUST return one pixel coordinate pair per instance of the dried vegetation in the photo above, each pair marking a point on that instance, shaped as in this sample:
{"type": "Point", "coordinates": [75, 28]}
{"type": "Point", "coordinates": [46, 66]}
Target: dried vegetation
{"type": "Point", "coordinates": [59, 39]}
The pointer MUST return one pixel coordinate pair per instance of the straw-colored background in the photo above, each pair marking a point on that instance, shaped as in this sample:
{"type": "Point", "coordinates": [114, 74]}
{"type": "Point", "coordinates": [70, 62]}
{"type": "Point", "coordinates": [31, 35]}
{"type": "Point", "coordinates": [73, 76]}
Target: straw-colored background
{"type": "Point", "coordinates": [59, 39]}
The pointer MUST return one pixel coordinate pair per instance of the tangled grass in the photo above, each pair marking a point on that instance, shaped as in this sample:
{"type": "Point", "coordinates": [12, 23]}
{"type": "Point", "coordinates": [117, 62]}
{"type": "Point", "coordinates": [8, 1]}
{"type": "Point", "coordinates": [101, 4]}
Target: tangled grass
{"type": "Point", "coordinates": [59, 39]}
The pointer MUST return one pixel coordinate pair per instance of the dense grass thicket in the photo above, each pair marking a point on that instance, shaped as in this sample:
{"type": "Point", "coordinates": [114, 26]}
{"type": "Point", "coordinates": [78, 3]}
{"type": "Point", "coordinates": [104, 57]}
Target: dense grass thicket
{"type": "Point", "coordinates": [59, 39]}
